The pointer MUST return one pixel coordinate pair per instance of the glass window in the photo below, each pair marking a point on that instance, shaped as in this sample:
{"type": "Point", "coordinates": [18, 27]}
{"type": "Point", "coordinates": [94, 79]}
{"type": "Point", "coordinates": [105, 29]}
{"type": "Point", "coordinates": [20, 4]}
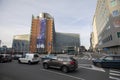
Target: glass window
{"type": "Point", "coordinates": [36, 55]}
{"type": "Point", "coordinates": [107, 28]}
{"type": "Point", "coordinates": [110, 37]}
{"type": "Point", "coordinates": [117, 58]}
{"type": "Point", "coordinates": [113, 3]}
{"type": "Point", "coordinates": [115, 13]}
{"type": "Point", "coordinates": [109, 58]}
{"type": "Point", "coordinates": [118, 34]}
{"type": "Point", "coordinates": [60, 59]}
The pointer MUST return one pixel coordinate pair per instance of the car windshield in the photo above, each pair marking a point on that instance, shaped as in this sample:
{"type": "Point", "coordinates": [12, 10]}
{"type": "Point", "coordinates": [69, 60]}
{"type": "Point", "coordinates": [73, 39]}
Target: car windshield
{"type": "Point", "coordinates": [108, 58]}
{"type": "Point", "coordinates": [102, 58]}
{"type": "Point", "coordinates": [36, 55]}
{"type": "Point", "coordinates": [50, 55]}
{"type": "Point", "coordinates": [72, 58]}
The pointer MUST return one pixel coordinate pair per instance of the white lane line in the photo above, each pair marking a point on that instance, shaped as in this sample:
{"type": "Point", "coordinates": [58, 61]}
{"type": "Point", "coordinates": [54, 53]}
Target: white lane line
{"type": "Point", "coordinates": [85, 57]}
{"type": "Point", "coordinates": [84, 64]}
{"type": "Point", "coordinates": [93, 68]}
{"type": "Point", "coordinates": [114, 78]}
{"type": "Point", "coordinates": [114, 71]}
{"type": "Point", "coordinates": [63, 74]}
{"type": "Point", "coordinates": [90, 56]}
{"type": "Point", "coordinates": [97, 68]}
{"type": "Point", "coordinates": [114, 74]}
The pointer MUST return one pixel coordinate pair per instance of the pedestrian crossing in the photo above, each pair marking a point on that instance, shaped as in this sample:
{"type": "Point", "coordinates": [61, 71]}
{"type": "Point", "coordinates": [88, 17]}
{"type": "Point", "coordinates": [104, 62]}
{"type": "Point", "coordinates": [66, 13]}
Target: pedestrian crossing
{"type": "Point", "coordinates": [91, 67]}
{"type": "Point", "coordinates": [114, 74]}
{"type": "Point", "coordinates": [86, 58]}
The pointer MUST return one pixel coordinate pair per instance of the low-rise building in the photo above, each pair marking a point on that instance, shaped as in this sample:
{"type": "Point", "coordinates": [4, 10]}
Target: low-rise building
{"type": "Point", "coordinates": [21, 43]}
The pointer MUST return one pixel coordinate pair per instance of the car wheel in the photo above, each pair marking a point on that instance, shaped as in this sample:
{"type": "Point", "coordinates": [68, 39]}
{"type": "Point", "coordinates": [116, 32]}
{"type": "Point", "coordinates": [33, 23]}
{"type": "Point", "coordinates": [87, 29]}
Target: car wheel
{"type": "Point", "coordinates": [37, 62]}
{"type": "Point", "coordinates": [98, 64]}
{"type": "Point", "coordinates": [19, 61]}
{"type": "Point", "coordinates": [1, 61]}
{"type": "Point", "coordinates": [45, 66]}
{"type": "Point", "coordinates": [29, 62]}
{"type": "Point", "coordinates": [10, 60]}
{"type": "Point", "coordinates": [65, 69]}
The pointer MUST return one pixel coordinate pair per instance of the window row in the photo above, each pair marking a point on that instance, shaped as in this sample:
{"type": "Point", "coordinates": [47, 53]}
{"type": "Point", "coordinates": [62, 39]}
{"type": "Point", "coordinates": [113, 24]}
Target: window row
{"type": "Point", "coordinates": [109, 38]}
{"type": "Point", "coordinates": [116, 13]}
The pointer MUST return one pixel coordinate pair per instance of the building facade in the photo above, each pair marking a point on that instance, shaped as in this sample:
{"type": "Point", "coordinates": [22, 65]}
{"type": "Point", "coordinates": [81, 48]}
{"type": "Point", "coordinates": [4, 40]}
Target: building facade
{"type": "Point", "coordinates": [91, 48]}
{"type": "Point", "coordinates": [94, 36]}
{"type": "Point", "coordinates": [106, 26]}
{"type": "Point", "coordinates": [42, 33]}
{"type": "Point", "coordinates": [44, 39]}
{"type": "Point", "coordinates": [21, 43]}
{"type": "Point", "coordinates": [66, 40]}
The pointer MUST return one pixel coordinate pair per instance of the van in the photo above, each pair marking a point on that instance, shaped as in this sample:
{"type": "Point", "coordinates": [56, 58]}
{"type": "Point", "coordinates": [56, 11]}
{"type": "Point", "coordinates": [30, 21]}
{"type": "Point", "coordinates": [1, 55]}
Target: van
{"type": "Point", "coordinates": [29, 58]}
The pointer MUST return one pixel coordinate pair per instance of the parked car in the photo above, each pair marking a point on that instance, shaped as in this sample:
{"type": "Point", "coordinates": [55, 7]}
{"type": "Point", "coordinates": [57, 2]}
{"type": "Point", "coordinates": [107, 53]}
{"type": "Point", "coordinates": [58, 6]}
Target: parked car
{"type": "Point", "coordinates": [63, 63]}
{"type": "Point", "coordinates": [5, 58]}
{"type": "Point", "coordinates": [17, 56]}
{"type": "Point", "coordinates": [110, 61]}
{"type": "Point", "coordinates": [49, 56]}
{"type": "Point", "coordinates": [29, 58]}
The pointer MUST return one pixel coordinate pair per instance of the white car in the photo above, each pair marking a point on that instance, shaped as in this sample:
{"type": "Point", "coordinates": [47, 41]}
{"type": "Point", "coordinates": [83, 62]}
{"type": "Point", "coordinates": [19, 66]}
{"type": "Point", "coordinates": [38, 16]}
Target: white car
{"type": "Point", "coordinates": [29, 58]}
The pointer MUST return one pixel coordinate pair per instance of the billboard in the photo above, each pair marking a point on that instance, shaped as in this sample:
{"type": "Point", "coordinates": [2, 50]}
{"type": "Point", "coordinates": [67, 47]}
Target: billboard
{"type": "Point", "coordinates": [41, 36]}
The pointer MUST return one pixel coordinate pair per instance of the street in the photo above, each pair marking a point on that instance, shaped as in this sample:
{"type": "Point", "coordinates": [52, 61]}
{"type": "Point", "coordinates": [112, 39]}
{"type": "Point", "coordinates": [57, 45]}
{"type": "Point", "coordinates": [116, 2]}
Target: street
{"type": "Point", "coordinates": [86, 71]}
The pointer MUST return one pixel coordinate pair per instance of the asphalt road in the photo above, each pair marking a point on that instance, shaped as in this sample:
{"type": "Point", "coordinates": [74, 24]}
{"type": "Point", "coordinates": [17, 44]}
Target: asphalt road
{"type": "Point", "coordinates": [16, 71]}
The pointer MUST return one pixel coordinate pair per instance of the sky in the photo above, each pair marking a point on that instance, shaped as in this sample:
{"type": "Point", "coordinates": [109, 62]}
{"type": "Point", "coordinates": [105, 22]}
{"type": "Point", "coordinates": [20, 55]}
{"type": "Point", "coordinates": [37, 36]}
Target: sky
{"type": "Point", "coordinates": [70, 16]}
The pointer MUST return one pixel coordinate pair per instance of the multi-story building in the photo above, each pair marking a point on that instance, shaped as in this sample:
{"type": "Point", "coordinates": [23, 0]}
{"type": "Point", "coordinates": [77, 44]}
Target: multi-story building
{"type": "Point", "coordinates": [21, 43]}
{"type": "Point", "coordinates": [66, 40]}
{"type": "Point", "coordinates": [42, 33]}
{"type": "Point", "coordinates": [43, 37]}
{"type": "Point", "coordinates": [94, 36]}
{"type": "Point", "coordinates": [91, 48]}
{"type": "Point", "coordinates": [106, 25]}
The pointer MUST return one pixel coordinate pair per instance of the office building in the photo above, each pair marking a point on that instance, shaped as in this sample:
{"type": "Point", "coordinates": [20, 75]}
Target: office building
{"type": "Point", "coordinates": [106, 26]}
{"type": "Point", "coordinates": [42, 33]}
{"type": "Point", "coordinates": [21, 43]}
{"type": "Point", "coordinates": [44, 39]}
{"type": "Point", "coordinates": [66, 40]}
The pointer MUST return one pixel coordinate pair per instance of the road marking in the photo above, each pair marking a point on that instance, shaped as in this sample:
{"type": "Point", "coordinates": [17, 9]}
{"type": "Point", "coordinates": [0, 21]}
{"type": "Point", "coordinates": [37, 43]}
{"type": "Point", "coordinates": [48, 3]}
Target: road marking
{"type": "Point", "coordinates": [93, 68]}
{"type": "Point", "coordinates": [115, 71]}
{"type": "Point", "coordinates": [90, 56]}
{"type": "Point", "coordinates": [84, 64]}
{"type": "Point", "coordinates": [63, 74]}
{"type": "Point", "coordinates": [114, 78]}
{"type": "Point", "coordinates": [97, 68]}
{"type": "Point", "coordinates": [114, 74]}
{"type": "Point", "coordinates": [85, 57]}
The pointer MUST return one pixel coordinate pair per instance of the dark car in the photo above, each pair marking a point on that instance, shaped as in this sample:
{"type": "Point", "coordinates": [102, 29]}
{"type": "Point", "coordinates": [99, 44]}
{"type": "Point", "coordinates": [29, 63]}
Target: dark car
{"type": "Point", "coordinates": [5, 58]}
{"type": "Point", "coordinates": [63, 63]}
{"type": "Point", "coordinates": [17, 56]}
{"type": "Point", "coordinates": [110, 61]}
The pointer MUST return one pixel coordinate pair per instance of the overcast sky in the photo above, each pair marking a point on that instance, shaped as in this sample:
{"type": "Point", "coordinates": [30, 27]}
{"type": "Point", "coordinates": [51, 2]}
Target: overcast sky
{"type": "Point", "coordinates": [70, 16]}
